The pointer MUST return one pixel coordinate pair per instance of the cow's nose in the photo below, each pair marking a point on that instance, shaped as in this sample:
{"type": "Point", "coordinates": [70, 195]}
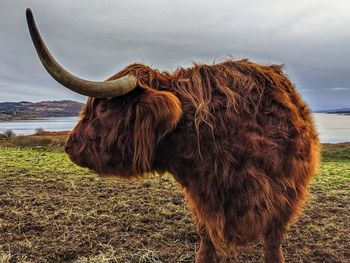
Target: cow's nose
{"type": "Point", "coordinates": [69, 143]}
{"type": "Point", "coordinates": [67, 147]}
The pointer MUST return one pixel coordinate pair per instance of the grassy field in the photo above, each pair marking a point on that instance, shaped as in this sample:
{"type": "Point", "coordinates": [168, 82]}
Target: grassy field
{"type": "Point", "coordinates": [53, 211]}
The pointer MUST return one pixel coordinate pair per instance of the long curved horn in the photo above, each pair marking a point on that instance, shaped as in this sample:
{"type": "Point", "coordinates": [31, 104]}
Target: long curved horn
{"type": "Point", "coordinates": [103, 89]}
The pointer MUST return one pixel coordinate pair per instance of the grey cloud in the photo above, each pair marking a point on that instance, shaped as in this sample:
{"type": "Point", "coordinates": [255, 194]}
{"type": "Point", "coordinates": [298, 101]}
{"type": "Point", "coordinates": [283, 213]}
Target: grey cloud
{"type": "Point", "coordinates": [95, 39]}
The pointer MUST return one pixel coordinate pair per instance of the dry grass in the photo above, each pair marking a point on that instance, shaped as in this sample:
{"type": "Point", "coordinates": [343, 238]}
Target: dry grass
{"type": "Point", "coordinates": [53, 211]}
{"type": "Point", "coordinates": [39, 139]}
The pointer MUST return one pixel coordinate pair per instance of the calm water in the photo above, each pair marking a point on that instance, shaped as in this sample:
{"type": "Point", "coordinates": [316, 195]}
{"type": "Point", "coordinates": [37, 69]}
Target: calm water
{"type": "Point", "coordinates": [25, 127]}
{"type": "Point", "coordinates": [331, 127]}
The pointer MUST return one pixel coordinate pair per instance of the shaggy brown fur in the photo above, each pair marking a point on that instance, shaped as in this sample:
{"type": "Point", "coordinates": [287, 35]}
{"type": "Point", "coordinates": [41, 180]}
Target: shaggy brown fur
{"type": "Point", "coordinates": [236, 135]}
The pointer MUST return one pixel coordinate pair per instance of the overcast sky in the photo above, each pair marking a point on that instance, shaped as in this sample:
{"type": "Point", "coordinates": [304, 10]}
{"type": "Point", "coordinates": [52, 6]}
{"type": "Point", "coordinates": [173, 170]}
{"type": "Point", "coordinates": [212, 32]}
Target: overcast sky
{"type": "Point", "coordinates": [95, 39]}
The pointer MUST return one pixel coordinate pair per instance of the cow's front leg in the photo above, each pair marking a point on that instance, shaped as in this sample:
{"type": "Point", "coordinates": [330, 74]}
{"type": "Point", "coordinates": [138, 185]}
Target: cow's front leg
{"type": "Point", "coordinates": [206, 252]}
{"type": "Point", "coordinates": [273, 241]}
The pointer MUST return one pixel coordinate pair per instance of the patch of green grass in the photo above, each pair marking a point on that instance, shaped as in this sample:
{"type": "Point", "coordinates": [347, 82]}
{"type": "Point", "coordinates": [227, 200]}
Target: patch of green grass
{"type": "Point", "coordinates": [335, 166]}
{"type": "Point", "coordinates": [39, 164]}
{"type": "Point", "coordinates": [333, 174]}
{"type": "Point", "coordinates": [336, 152]}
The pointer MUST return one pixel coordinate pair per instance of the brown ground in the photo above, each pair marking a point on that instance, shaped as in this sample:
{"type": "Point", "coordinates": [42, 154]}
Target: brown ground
{"type": "Point", "coordinates": [52, 221]}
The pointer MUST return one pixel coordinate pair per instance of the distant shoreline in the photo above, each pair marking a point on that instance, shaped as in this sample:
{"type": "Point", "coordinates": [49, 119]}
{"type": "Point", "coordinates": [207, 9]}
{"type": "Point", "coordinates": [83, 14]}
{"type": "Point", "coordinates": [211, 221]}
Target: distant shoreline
{"type": "Point", "coordinates": [339, 112]}
{"type": "Point", "coordinates": [28, 118]}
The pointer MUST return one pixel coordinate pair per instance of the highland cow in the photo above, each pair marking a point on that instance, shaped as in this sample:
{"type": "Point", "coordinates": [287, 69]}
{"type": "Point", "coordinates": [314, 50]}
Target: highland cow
{"type": "Point", "coordinates": [236, 135]}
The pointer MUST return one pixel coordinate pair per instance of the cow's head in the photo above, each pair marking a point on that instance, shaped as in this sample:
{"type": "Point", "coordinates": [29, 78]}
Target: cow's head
{"type": "Point", "coordinates": [122, 122]}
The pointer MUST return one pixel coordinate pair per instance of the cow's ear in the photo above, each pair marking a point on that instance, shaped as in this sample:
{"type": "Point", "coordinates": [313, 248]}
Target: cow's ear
{"type": "Point", "coordinates": [157, 113]}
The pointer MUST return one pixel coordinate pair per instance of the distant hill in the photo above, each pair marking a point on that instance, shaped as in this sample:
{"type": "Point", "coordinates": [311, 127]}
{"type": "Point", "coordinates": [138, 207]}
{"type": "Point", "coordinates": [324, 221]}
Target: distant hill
{"type": "Point", "coordinates": [43, 109]}
{"type": "Point", "coordinates": [345, 111]}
